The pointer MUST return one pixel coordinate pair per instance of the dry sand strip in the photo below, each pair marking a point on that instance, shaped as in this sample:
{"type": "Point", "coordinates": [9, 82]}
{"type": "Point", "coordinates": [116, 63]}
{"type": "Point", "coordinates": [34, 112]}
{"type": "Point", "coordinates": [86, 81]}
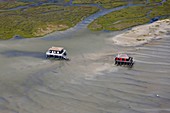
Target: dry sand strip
{"type": "Point", "coordinates": [143, 34]}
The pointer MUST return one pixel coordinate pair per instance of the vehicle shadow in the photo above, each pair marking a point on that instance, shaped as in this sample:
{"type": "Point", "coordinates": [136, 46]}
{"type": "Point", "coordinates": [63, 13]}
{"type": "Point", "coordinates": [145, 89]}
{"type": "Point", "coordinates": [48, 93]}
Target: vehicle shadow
{"type": "Point", "coordinates": [17, 53]}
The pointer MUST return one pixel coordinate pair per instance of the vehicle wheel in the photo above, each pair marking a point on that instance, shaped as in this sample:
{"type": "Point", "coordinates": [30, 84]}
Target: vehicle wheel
{"type": "Point", "coordinates": [130, 65]}
{"type": "Point", "coordinates": [123, 63]}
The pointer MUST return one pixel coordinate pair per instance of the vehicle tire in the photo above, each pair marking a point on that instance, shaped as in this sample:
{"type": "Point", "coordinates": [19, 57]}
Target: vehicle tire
{"type": "Point", "coordinates": [131, 65]}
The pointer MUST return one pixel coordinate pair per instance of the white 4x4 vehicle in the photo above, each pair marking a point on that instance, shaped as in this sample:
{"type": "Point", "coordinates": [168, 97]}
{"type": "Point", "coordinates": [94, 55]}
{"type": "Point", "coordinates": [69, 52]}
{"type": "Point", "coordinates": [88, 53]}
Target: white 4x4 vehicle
{"type": "Point", "coordinates": [57, 52]}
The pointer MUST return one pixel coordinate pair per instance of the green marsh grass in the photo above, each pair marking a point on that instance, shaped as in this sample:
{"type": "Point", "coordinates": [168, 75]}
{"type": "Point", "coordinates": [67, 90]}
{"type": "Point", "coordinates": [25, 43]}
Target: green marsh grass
{"type": "Point", "coordinates": [104, 3]}
{"type": "Point", "coordinates": [122, 19]}
{"type": "Point", "coordinates": [45, 18]}
{"type": "Point", "coordinates": [130, 17]}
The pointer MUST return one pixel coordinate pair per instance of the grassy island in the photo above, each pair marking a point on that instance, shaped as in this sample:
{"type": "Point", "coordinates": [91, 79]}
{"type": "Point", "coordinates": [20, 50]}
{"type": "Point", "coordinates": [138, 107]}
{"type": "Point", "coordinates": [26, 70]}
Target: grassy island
{"type": "Point", "coordinates": [9, 5]}
{"type": "Point", "coordinates": [41, 20]}
{"type": "Point", "coordinates": [131, 16]}
{"type": "Point", "coordinates": [104, 3]}
{"type": "Point", "coordinates": [120, 19]}
{"type": "Point", "coordinates": [161, 10]}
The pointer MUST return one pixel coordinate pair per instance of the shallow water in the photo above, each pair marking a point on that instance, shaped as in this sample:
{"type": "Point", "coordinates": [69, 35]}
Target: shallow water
{"type": "Point", "coordinates": [90, 82]}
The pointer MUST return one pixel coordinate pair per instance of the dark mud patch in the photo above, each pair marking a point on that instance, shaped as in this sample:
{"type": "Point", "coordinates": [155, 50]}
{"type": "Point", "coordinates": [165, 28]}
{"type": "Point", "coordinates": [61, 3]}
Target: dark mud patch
{"type": "Point", "coordinates": [17, 53]}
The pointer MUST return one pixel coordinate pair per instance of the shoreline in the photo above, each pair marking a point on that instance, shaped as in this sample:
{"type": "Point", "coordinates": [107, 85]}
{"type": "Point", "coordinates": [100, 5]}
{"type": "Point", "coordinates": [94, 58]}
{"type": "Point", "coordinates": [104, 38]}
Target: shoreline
{"type": "Point", "coordinates": [143, 34]}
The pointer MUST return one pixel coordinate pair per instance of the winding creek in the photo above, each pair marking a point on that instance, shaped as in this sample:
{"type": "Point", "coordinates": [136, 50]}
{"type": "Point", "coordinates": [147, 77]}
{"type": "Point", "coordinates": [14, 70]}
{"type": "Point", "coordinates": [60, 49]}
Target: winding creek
{"type": "Point", "coordinates": [90, 82]}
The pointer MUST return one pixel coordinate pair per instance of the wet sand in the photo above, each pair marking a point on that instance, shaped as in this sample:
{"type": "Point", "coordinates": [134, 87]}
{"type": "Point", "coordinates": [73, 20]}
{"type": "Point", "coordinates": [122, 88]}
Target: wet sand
{"type": "Point", "coordinates": [143, 34]}
{"type": "Point", "coordinates": [90, 82]}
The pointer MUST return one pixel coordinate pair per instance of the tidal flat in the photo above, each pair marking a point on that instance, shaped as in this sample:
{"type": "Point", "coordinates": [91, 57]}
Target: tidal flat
{"type": "Point", "coordinates": [89, 82]}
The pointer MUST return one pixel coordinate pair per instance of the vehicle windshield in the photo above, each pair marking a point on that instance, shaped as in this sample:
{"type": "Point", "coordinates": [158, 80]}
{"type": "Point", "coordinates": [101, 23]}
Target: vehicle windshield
{"type": "Point", "coordinates": [61, 51]}
{"type": "Point", "coordinates": [56, 52]}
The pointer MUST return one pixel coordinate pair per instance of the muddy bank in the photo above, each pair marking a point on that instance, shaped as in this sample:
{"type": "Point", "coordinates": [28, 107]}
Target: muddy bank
{"type": "Point", "coordinates": [143, 34]}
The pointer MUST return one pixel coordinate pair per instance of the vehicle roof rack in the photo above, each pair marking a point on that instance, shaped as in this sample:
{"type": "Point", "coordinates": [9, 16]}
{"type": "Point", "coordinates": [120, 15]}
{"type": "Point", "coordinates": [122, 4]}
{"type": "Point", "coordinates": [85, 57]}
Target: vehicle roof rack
{"type": "Point", "coordinates": [56, 48]}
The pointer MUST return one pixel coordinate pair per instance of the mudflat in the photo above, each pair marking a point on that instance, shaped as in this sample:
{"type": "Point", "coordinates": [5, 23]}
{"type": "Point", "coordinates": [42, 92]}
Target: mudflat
{"type": "Point", "coordinates": [90, 82]}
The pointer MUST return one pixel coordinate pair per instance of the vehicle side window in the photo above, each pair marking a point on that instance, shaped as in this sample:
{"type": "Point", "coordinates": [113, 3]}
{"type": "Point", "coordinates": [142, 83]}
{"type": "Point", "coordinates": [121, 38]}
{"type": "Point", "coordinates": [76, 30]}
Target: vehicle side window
{"type": "Point", "coordinates": [65, 53]}
{"type": "Point", "coordinates": [50, 51]}
{"type": "Point", "coordinates": [61, 51]}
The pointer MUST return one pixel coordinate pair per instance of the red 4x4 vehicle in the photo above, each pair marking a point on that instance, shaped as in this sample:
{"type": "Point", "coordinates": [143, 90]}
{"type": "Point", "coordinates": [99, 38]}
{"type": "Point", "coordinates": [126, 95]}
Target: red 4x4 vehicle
{"type": "Point", "coordinates": [124, 59]}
